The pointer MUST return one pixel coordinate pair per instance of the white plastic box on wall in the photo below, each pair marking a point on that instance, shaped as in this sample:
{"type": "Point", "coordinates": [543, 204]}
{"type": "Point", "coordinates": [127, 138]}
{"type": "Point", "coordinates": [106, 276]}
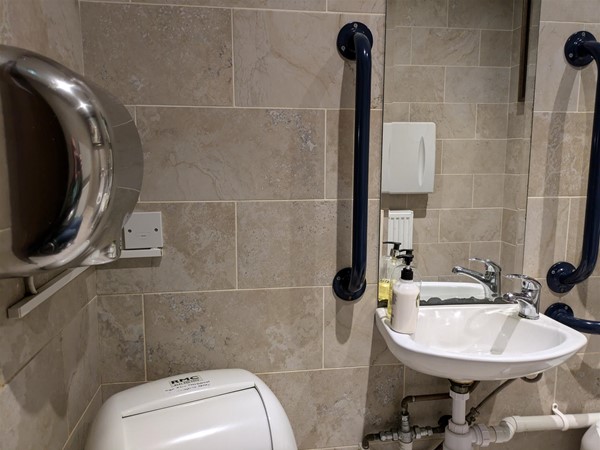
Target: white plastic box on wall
{"type": "Point", "coordinates": [408, 157]}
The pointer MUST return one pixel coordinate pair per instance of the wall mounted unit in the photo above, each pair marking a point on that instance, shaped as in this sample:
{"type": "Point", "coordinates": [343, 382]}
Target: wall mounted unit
{"type": "Point", "coordinates": [73, 162]}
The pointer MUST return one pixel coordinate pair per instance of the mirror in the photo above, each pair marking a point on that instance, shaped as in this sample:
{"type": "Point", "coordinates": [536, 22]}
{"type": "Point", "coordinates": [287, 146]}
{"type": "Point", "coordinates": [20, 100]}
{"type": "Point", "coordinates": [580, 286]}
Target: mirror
{"type": "Point", "coordinates": [469, 67]}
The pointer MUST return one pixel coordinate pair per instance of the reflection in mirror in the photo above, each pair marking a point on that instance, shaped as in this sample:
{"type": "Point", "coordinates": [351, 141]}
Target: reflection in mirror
{"type": "Point", "coordinates": [457, 65]}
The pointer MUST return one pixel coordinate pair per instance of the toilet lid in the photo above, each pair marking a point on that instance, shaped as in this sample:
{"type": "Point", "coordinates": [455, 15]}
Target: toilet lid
{"type": "Point", "coordinates": [200, 425]}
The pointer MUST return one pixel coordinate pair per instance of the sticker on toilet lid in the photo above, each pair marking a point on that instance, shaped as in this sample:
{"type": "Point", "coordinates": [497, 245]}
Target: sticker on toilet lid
{"type": "Point", "coordinates": [188, 383]}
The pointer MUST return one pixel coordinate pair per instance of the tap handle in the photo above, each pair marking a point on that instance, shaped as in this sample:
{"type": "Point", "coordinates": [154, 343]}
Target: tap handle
{"type": "Point", "coordinates": [490, 266]}
{"type": "Point", "coordinates": [528, 284]}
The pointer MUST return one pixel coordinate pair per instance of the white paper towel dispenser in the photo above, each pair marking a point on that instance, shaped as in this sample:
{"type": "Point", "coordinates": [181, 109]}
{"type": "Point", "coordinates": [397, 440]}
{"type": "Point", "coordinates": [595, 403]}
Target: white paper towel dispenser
{"type": "Point", "coordinates": [73, 162]}
{"type": "Point", "coordinates": [408, 157]}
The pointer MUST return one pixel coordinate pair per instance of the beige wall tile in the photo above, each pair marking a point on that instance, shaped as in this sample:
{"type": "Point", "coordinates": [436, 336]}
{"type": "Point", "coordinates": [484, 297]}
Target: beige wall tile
{"type": "Point", "coordinates": [557, 82]}
{"type": "Point", "coordinates": [509, 226]}
{"type": "Point", "coordinates": [517, 156]}
{"type": "Point", "coordinates": [477, 84]}
{"type": "Point", "coordinates": [78, 436]}
{"type": "Point", "coordinates": [398, 46]}
{"type": "Point", "coordinates": [272, 70]}
{"type": "Point", "coordinates": [577, 388]}
{"type": "Point", "coordinates": [351, 338]}
{"type": "Point", "coordinates": [414, 84]}
{"type": "Point", "coordinates": [545, 235]}
{"type": "Point", "coordinates": [396, 112]}
{"type": "Point", "coordinates": [452, 120]}
{"type": "Point", "coordinates": [492, 121]}
{"type": "Point", "coordinates": [481, 156]}
{"type": "Point", "coordinates": [487, 250]}
{"type": "Point", "coordinates": [577, 210]}
{"type": "Point", "coordinates": [196, 331]}
{"type": "Point", "coordinates": [570, 439]}
{"type": "Point", "coordinates": [49, 27]}
{"type": "Point", "coordinates": [486, 14]}
{"type": "Point", "coordinates": [190, 45]}
{"type": "Point", "coordinates": [488, 190]}
{"type": "Point", "coordinates": [470, 225]}
{"type": "Point", "coordinates": [79, 341]}
{"type": "Point", "coordinates": [311, 5]}
{"type": "Point", "coordinates": [426, 228]}
{"type": "Point", "coordinates": [425, 13]}
{"type": "Point", "coordinates": [433, 260]}
{"type": "Point", "coordinates": [561, 11]}
{"type": "Point", "coordinates": [33, 406]}
{"type": "Point", "coordinates": [340, 154]}
{"type": "Point", "coordinates": [339, 406]}
{"type": "Point", "coordinates": [108, 390]}
{"type": "Point", "coordinates": [368, 6]}
{"type": "Point", "coordinates": [520, 116]}
{"type": "Point", "coordinates": [298, 243]}
{"type": "Point", "coordinates": [23, 338]}
{"type": "Point", "coordinates": [199, 253]}
{"type": "Point", "coordinates": [121, 331]}
{"type": "Point", "coordinates": [450, 191]}
{"type": "Point", "coordinates": [508, 259]}
{"type": "Point", "coordinates": [515, 191]}
{"type": "Point", "coordinates": [226, 154]}
{"type": "Point", "coordinates": [445, 47]}
{"type": "Point", "coordinates": [560, 149]}
{"type": "Point", "coordinates": [495, 48]}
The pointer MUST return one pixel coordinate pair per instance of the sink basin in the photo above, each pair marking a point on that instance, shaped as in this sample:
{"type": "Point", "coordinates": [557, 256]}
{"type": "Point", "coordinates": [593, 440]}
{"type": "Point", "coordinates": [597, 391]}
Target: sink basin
{"type": "Point", "coordinates": [445, 290]}
{"type": "Point", "coordinates": [480, 342]}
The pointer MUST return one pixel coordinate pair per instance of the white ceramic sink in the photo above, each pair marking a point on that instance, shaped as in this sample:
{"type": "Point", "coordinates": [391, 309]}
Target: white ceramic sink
{"type": "Point", "coordinates": [480, 342]}
{"type": "Point", "coordinates": [444, 290]}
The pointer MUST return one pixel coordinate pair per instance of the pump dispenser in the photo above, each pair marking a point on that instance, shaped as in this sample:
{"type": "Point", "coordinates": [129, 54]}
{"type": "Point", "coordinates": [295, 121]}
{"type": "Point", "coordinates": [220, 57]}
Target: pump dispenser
{"type": "Point", "coordinates": [387, 268]}
{"type": "Point", "coordinates": [405, 258]}
{"type": "Point", "coordinates": [405, 300]}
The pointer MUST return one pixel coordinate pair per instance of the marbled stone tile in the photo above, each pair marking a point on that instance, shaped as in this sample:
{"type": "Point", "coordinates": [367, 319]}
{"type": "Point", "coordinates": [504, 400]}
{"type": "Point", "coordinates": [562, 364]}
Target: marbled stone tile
{"type": "Point", "coordinates": [79, 341]}
{"type": "Point", "coordinates": [452, 120]}
{"type": "Point", "coordinates": [398, 46]}
{"type": "Point", "coordinates": [520, 117]}
{"type": "Point", "coordinates": [488, 191]}
{"type": "Point", "coordinates": [477, 84]}
{"type": "Point", "coordinates": [414, 84]}
{"type": "Point", "coordinates": [338, 406]}
{"type": "Point", "coordinates": [545, 235]}
{"type": "Point", "coordinates": [470, 225]}
{"type": "Point", "coordinates": [124, 44]}
{"type": "Point", "coordinates": [492, 121]}
{"type": "Point", "coordinates": [79, 435]}
{"type": "Point", "coordinates": [351, 337]}
{"type": "Point", "coordinates": [199, 253]}
{"type": "Point", "coordinates": [517, 156]}
{"type": "Point", "coordinates": [515, 191]}
{"type": "Point", "coordinates": [434, 260]}
{"type": "Point", "coordinates": [495, 48]}
{"type": "Point", "coordinates": [340, 154]}
{"type": "Point", "coordinates": [577, 210]}
{"type": "Point", "coordinates": [486, 14]}
{"type": "Point", "coordinates": [23, 338]}
{"type": "Point", "coordinates": [282, 244]}
{"type": "Point", "coordinates": [396, 112]}
{"type": "Point", "coordinates": [426, 226]}
{"type": "Point", "coordinates": [557, 82]}
{"type": "Point", "coordinates": [508, 259]}
{"type": "Point", "coordinates": [570, 439]}
{"type": "Point", "coordinates": [49, 27]}
{"type": "Point", "coordinates": [271, 69]}
{"type": "Point", "coordinates": [121, 331]}
{"type": "Point", "coordinates": [474, 156]}
{"type": "Point", "coordinates": [368, 6]}
{"type": "Point", "coordinates": [270, 330]}
{"type": "Point", "coordinates": [422, 13]}
{"type": "Point", "coordinates": [561, 11]}
{"type": "Point", "coordinates": [449, 191]}
{"type": "Point", "coordinates": [560, 150]}
{"type": "Point", "coordinates": [578, 384]}
{"type": "Point", "coordinates": [232, 154]}
{"type": "Point", "coordinates": [445, 47]}
{"type": "Point", "coordinates": [108, 390]}
{"type": "Point", "coordinates": [33, 406]}
{"type": "Point", "coordinates": [487, 250]}
{"type": "Point", "coordinates": [310, 5]}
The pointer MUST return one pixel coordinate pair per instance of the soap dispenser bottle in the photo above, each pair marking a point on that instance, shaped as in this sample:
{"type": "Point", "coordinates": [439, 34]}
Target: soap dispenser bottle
{"type": "Point", "coordinates": [387, 267]}
{"type": "Point", "coordinates": [405, 302]}
{"type": "Point", "coordinates": [405, 258]}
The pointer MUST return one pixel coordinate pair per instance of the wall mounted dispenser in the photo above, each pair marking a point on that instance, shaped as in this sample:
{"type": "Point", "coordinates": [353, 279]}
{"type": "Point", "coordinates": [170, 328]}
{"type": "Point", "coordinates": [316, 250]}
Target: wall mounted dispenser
{"type": "Point", "coordinates": [74, 167]}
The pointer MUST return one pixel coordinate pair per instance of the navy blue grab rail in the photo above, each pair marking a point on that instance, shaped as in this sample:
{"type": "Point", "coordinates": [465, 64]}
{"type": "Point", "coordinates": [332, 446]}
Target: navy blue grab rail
{"type": "Point", "coordinates": [354, 42]}
{"type": "Point", "coordinates": [564, 314]}
{"type": "Point", "coordinates": [580, 49]}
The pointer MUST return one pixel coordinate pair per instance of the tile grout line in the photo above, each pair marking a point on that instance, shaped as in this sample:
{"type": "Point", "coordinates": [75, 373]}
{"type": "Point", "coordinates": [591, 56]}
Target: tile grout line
{"type": "Point", "coordinates": [72, 432]}
{"type": "Point", "coordinates": [144, 336]}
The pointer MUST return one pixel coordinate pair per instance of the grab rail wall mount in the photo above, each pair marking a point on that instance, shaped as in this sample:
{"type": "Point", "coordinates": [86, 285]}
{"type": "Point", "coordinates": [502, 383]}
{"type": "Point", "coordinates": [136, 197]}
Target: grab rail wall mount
{"type": "Point", "coordinates": [354, 42]}
{"type": "Point", "coordinates": [580, 50]}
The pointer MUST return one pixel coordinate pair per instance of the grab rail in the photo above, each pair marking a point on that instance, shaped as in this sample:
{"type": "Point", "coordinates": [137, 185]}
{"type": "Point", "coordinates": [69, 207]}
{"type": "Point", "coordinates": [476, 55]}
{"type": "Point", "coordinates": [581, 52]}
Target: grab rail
{"type": "Point", "coordinates": [354, 42]}
{"type": "Point", "coordinates": [580, 49]}
{"type": "Point", "coordinates": [564, 314]}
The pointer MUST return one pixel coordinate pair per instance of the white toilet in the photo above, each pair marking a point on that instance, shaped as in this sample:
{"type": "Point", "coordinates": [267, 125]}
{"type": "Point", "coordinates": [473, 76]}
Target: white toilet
{"type": "Point", "coordinates": [226, 409]}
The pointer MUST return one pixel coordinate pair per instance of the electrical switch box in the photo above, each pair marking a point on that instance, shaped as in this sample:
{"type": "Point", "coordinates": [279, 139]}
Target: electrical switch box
{"type": "Point", "coordinates": [143, 230]}
{"type": "Point", "coordinates": [408, 157]}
